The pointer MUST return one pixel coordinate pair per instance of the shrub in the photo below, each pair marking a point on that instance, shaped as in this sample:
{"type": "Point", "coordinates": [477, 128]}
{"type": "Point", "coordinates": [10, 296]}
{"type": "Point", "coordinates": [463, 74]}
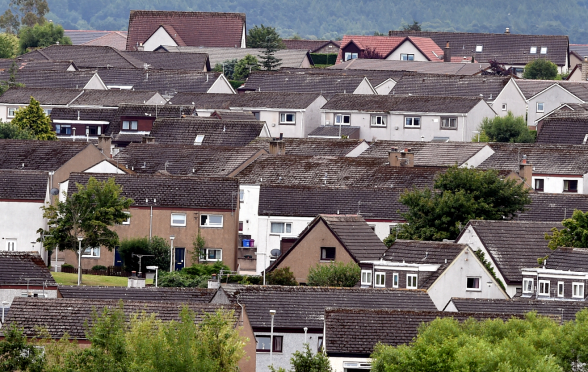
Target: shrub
{"type": "Point", "coordinates": [67, 266]}
{"type": "Point", "coordinates": [335, 274]}
{"type": "Point", "coordinates": [99, 268]}
{"type": "Point", "coordinates": [281, 276]}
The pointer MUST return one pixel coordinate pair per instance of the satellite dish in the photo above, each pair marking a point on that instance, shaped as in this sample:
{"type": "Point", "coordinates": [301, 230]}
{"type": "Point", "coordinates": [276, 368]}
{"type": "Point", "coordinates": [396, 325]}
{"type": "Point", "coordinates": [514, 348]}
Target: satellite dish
{"type": "Point", "coordinates": [276, 252]}
{"type": "Point", "coordinates": [54, 191]}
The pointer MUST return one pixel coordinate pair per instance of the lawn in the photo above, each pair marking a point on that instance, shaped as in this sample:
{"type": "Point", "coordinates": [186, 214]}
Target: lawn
{"type": "Point", "coordinates": [93, 280]}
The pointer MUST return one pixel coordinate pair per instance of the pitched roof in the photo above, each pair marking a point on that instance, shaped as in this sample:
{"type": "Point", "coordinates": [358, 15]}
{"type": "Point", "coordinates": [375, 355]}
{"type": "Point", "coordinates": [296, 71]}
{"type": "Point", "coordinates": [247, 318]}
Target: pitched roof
{"type": "Point", "coordinates": [384, 45]}
{"type": "Point", "coordinates": [45, 96]}
{"type": "Point", "coordinates": [530, 87]}
{"type": "Point", "coordinates": [374, 76]}
{"type": "Point", "coordinates": [310, 45]}
{"type": "Point", "coordinates": [355, 235]}
{"type": "Point", "coordinates": [23, 185]}
{"type": "Point", "coordinates": [565, 258]}
{"type": "Point", "coordinates": [406, 103]}
{"type": "Point", "coordinates": [553, 207]}
{"type": "Point", "coordinates": [168, 82]}
{"type": "Point", "coordinates": [513, 245]}
{"type": "Point", "coordinates": [216, 132]}
{"type": "Point", "coordinates": [203, 100]}
{"type": "Point", "coordinates": [298, 307]}
{"type": "Point", "coordinates": [563, 130]}
{"type": "Point", "coordinates": [423, 67]}
{"type": "Point", "coordinates": [114, 39]}
{"type": "Point", "coordinates": [167, 61]}
{"type": "Point", "coordinates": [58, 316]}
{"type": "Point", "coordinates": [484, 86]}
{"type": "Point", "coordinates": [233, 115]}
{"type": "Point", "coordinates": [127, 110]}
{"type": "Point", "coordinates": [6, 64]}
{"type": "Point", "coordinates": [170, 294]}
{"type": "Point", "coordinates": [79, 37]}
{"type": "Point", "coordinates": [16, 267]}
{"type": "Point", "coordinates": [54, 79]}
{"type": "Point", "coordinates": [89, 114]}
{"type": "Point", "coordinates": [422, 252]}
{"type": "Point", "coordinates": [169, 191]}
{"type": "Point", "coordinates": [113, 98]}
{"type": "Point", "coordinates": [86, 56]}
{"type": "Point", "coordinates": [311, 146]}
{"type": "Point", "coordinates": [277, 100]}
{"type": "Point", "coordinates": [208, 29]}
{"type": "Point", "coordinates": [334, 131]}
{"type": "Point", "coordinates": [37, 155]}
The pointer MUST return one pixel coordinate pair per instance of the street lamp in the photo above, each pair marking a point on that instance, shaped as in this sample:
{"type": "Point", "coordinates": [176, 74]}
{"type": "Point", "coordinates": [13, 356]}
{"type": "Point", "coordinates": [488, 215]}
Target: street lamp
{"type": "Point", "coordinates": [156, 268]}
{"type": "Point", "coordinates": [272, 313]}
{"type": "Point", "coordinates": [4, 304]}
{"type": "Point", "coordinates": [171, 254]}
{"type": "Point", "coordinates": [80, 238]}
{"type": "Point", "coordinates": [140, 257]}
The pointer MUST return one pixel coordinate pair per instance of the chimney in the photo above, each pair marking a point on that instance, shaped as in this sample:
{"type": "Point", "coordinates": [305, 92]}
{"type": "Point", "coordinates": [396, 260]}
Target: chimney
{"type": "Point", "coordinates": [447, 53]}
{"type": "Point", "coordinates": [148, 139]}
{"type": "Point", "coordinates": [140, 47]}
{"type": "Point", "coordinates": [104, 143]}
{"type": "Point", "coordinates": [402, 158]}
{"type": "Point", "coordinates": [277, 146]}
{"type": "Point", "coordinates": [507, 31]}
{"type": "Point", "coordinates": [585, 68]}
{"type": "Point", "coordinates": [526, 171]}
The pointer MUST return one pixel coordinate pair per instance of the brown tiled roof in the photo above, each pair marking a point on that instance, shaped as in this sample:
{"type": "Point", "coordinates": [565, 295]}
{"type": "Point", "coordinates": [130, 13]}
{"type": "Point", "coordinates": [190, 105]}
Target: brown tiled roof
{"type": "Point", "coordinates": [114, 39]}
{"type": "Point", "coordinates": [140, 111]}
{"type": "Point", "coordinates": [513, 245]}
{"type": "Point", "coordinates": [45, 96]}
{"type": "Point", "coordinates": [487, 87]}
{"type": "Point", "coordinates": [194, 28]}
{"type": "Point", "coordinates": [79, 37]}
{"type": "Point", "coordinates": [37, 155]}
{"type": "Point", "coordinates": [70, 315]}
{"type": "Point", "coordinates": [176, 61]}
{"type": "Point", "coordinates": [204, 100]}
{"type": "Point", "coordinates": [553, 207]}
{"type": "Point", "coordinates": [216, 132]}
{"type": "Point", "coordinates": [405, 103]}
{"type": "Point", "coordinates": [332, 131]}
{"type": "Point", "coordinates": [90, 114]}
{"type": "Point", "coordinates": [24, 185]}
{"type": "Point", "coordinates": [170, 294]}
{"type": "Point", "coordinates": [423, 67]}
{"type": "Point", "coordinates": [357, 331]}
{"type": "Point", "coordinates": [86, 56]}
{"type": "Point", "coordinates": [382, 45]}
{"type": "Point", "coordinates": [15, 267]}
{"type": "Point", "coordinates": [169, 191]}
{"type": "Point", "coordinates": [276, 100]}
{"type": "Point", "coordinates": [564, 258]}
{"type": "Point", "coordinates": [53, 79]}
{"type": "Point", "coordinates": [112, 98]}
{"type": "Point", "coordinates": [374, 76]}
{"type": "Point", "coordinates": [563, 130]}
{"type": "Point", "coordinates": [120, 76]}
{"type": "Point", "coordinates": [299, 307]}
{"type": "Point", "coordinates": [311, 146]}
{"type": "Point", "coordinates": [6, 63]}
{"type": "Point", "coordinates": [169, 82]}
{"type": "Point", "coordinates": [422, 252]}
{"type": "Point", "coordinates": [310, 45]}
{"type": "Point", "coordinates": [233, 115]}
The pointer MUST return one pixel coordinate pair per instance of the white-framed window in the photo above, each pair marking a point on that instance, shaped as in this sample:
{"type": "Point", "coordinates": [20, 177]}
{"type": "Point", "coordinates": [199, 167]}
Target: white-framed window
{"type": "Point", "coordinates": [533, 50]}
{"type": "Point", "coordinates": [448, 123]}
{"type": "Point", "coordinates": [473, 283]}
{"type": "Point", "coordinates": [214, 254]}
{"type": "Point", "coordinates": [570, 185]}
{"type": "Point", "coordinates": [93, 130]}
{"type": "Point", "coordinates": [64, 130]}
{"type": "Point", "coordinates": [540, 107]}
{"type": "Point", "coordinates": [543, 50]}
{"type": "Point", "coordinates": [241, 195]}
{"type": "Point", "coordinates": [342, 119]}
{"type": "Point", "coordinates": [578, 290]}
{"type": "Point", "coordinates": [211, 220]}
{"type": "Point", "coordinates": [504, 107]}
{"type": "Point", "coordinates": [412, 121]}
{"type": "Point", "coordinates": [539, 184]}
{"type": "Point", "coordinates": [560, 289]}
{"type": "Point", "coordinates": [11, 111]}
{"type": "Point", "coordinates": [199, 139]}
{"type": "Point", "coordinates": [479, 48]}
{"type": "Point", "coordinates": [11, 245]}
{"type": "Point", "coordinates": [349, 56]}
{"type": "Point", "coordinates": [411, 281]}
{"type": "Point", "coordinates": [406, 57]}
{"type": "Point", "coordinates": [281, 228]}
{"type": "Point", "coordinates": [91, 252]}
{"type": "Point", "coordinates": [395, 280]}
{"type": "Point", "coordinates": [328, 253]}
{"type": "Point", "coordinates": [378, 121]}
{"type": "Point", "coordinates": [380, 280]}
{"type": "Point", "coordinates": [366, 277]}
{"type": "Point", "coordinates": [129, 125]}
{"type": "Point", "coordinates": [527, 285]}
{"type": "Point", "coordinates": [47, 111]}
{"type": "Point", "coordinates": [128, 220]}
{"type": "Point", "coordinates": [287, 118]}
{"type": "Point", "coordinates": [178, 219]}
{"type": "Point", "coordinates": [544, 287]}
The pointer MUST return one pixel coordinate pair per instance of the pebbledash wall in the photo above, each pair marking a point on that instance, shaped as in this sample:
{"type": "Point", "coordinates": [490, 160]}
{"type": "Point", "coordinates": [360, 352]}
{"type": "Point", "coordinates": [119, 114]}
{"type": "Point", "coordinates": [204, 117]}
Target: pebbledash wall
{"type": "Point", "coordinates": [291, 343]}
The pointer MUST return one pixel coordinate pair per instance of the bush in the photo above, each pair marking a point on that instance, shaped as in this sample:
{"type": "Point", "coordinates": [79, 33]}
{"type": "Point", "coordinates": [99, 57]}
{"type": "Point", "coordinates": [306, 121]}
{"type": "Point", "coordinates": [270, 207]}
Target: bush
{"type": "Point", "coordinates": [179, 279]}
{"type": "Point", "coordinates": [67, 266]}
{"type": "Point", "coordinates": [157, 247]}
{"type": "Point", "coordinates": [335, 274]}
{"type": "Point", "coordinates": [205, 269]}
{"type": "Point", "coordinates": [540, 69]}
{"type": "Point", "coordinates": [505, 129]}
{"type": "Point", "coordinates": [99, 268]}
{"type": "Point", "coordinates": [323, 59]}
{"type": "Point", "coordinates": [281, 276]}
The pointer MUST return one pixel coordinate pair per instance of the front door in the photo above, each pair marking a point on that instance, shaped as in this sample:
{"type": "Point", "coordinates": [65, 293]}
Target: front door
{"type": "Point", "coordinates": [180, 255]}
{"type": "Point", "coordinates": [117, 258]}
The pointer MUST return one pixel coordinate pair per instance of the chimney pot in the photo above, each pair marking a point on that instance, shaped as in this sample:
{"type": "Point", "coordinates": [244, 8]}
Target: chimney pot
{"type": "Point", "coordinates": [277, 146]}
{"type": "Point", "coordinates": [507, 31]}
{"type": "Point", "coordinates": [148, 139]}
{"type": "Point", "coordinates": [447, 53]}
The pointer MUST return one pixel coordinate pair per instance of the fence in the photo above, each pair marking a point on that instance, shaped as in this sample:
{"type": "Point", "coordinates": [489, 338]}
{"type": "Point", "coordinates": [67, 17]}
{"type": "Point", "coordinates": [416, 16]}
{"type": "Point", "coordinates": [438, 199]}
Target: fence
{"type": "Point", "coordinates": [110, 271]}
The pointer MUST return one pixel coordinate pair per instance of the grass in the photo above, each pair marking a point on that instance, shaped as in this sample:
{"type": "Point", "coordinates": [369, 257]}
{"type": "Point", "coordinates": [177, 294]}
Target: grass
{"type": "Point", "coordinates": [93, 280]}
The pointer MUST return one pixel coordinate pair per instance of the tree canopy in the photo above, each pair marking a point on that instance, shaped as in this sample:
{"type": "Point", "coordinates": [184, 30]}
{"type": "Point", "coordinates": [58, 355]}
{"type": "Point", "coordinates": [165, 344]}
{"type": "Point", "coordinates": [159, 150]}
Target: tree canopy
{"type": "Point", "coordinates": [334, 274]}
{"type": "Point", "coordinates": [540, 69]}
{"type": "Point", "coordinates": [414, 26]}
{"type": "Point", "coordinates": [25, 13]}
{"type": "Point", "coordinates": [507, 128]}
{"type": "Point", "coordinates": [574, 234]}
{"type": "Point", "coordinates": [32, 119]}
{"type": "Point", "coordinates": [12, 131]}
{"type": "Point", "coordinates": [258, 36]}
{"type": "Point", "coordinates": [43, 35]}
{"type": "Point", "coordinates": [8, 45]}
{"type": "Point", "coordinates": [157, 247]}
{"type": "Point", "coordinates": [267, 59]}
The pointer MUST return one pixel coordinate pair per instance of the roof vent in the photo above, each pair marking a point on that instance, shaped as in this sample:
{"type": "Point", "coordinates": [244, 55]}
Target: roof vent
{"type": "Point", "coordinates": [507, 31]}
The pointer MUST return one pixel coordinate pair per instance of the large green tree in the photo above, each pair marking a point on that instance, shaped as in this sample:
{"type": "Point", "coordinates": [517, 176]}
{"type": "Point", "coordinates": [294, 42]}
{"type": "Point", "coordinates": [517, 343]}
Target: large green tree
{"type": "Point", "coordinates": [18, 355]}
{"type": "Point", "coordinates": [42, 35]}
{"type": "Point", "coordinates": [459, 195]}
{"type": "Point", "coordinates": [32, 118]}
{"type": "Point", "coordinates": [156, 247]}
{"type": "Point", "coordinates": [258, 36]}
{"type": "Point", "coordinates": [23, 12]}
{"type": "Point", "coordinates": [334, 274]}
{"type": "Point", "coordinates": [11, 131]}
{"type": "Point", "coordinates": [574, 234]}
{"type": "Point", "coordinates": [245, 66]}
{"type": "Point", "coordinates": [8, 45]}
{"type": "Point", "coordinates": [267, 59]}
{"type": "Point", "coordinates": [540, 69]}
{"type": "Point", "coordinates": [507, 128]}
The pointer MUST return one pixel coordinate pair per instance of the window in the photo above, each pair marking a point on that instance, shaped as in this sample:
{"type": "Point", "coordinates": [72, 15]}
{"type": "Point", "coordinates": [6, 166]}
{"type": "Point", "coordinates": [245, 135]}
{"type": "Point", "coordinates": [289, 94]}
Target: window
{"type": "Point", "coordinates": [319, 346]}
{"type": "Point", "coordinates": [63, 130]}
{"type": "Point", "coordinates": [533, 50]}
{"type": "Point", "coordinates": [11, 245]}
{"type": "Point", "coordinates": [411, 281]}
{"type": "Point", "coordinates": [395, 280]}
{"type": "Point", "coordinates": [240, 225]}
{"type": "Point", "coordinates": [129, 125]}
{"type": "Point", "coordinates": [448, 123]}
{"type": "Point", "coordinates": [473, 284]}
{"type": "Point", "coordinates": [93, 130]}
{"type": "Point", "coordinates": [211, 220]}
{"type": "Point", "coordinates": [504, 106]}
{"type": "Point", "coordinates": [380, 280]}
{"type": "Point", "coordinates": [178, 219]}
{"type": "Point", "coordinates": [560, 289]}
{"type": "Point", "coordinates": [544, 287]}
{"type": "Point", "coordinates": [540, 107]}
{"type": "Point", "coordinates": [479, 48]}
{"type": "Point", "coordinates": [11, 111]}
{"type": "Point", "coordinates": [412, 122]}
{"type": "Point", "coordinates": [327, 253]}
{"type": "Point", "coordinates": [91, 252]}
{"type": "Point", "coordinates": [570, 186]}
{"type": "Point", "coordinates": [578, 290]}
{"type": "Point", "coordinates": [406, 57]}
{"type": "Point", "coordinates": [349, 56]}
{"type": "Point", "coordinates": [241, 195]}
{"type": "Point", "coordinates": [214, 254]}
{"type": "Point", "coordinates": [543, 50]}
{"type": "Point", "coordinates": [128, 220]}
{"type": "Point", "coordinates": [287, 118]}
{"type": "Point", "coordinates": [281, 228]}
{"type": "Point", "coordinates": [527, 285]}
{"type": "Point", "coordinates": [378, 121]}
{"type": "Point", "coordinates": [366, 277]}
{"type": "Point", "coordinates": [539, 184]}
{"type": "Point", "coordinates": [199, 139]}
{"type": "Point", "coordinates": [341, 119]}
{"type": "Point", "coordinates": [47, 111]}
{"type": "Point", "coordinates": [263, 344]}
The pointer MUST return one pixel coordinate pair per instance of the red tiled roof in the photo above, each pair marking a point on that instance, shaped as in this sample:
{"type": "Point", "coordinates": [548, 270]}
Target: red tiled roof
{"type": "Point", "coordinates": [428, 47]}
{"type": "Point", "coordinates": [207, 29]}
{"type": "Point", "coordinates": [174, 34]}
{"type": "Point", "coordinates": [381, 44]}
{"type": "Point", "coordinates": [116, 40]}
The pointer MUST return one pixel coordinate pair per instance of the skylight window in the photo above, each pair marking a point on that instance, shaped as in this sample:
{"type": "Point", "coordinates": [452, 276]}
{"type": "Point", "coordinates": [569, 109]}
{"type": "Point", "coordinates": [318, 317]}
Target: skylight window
{"type": "Point", "coordinates": [199, 139]}
{"type": "Point", "coordinates": [543, 50]}
{"type": "Point", "coordinates": [533, 50]}
{"type": "Point", "coordinates": [479, 48]}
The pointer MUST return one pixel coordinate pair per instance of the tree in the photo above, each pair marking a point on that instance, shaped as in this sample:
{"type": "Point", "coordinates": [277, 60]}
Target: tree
{"type": "Point", "coordinates": [157, 247]}
{"type": "Point", "coordinates": [505, 129]}
{"type": "Point", "coordinates": [282, 276]}
{"type": "Point", "coordinates": [540, 69]}
{"type": "Point", "coordinates": [378, 33]}
{"type": "Point", "coordinates": [335, 274]}
{"type": "Point", "coordinates": [245, 66]}
{"type": "Point", "coordinates": [267, 58]}
{"type": "Point", "coordinates": [415, 26]}
{"type": "Point", "coordinates": [26, 12]}
{"type": "Point", "coordinates": [11, 131]}
{"type": "Point", "coordinates": [258, 36]}
{"type": "Point", "coordinates": [16, 354]}
{"type": "Point", "coordinates": [371, 53]}
{"type": "Point", "coordinates": [306, 361]}
{"type": "Point", "coordinates": [32, 118]}
{"type": "Point", "coordinates": [39, 36]}
{"type": "Point", "coordinates": [459, 195]}
{"type": "Point", "coordinates": [227, 67]}
{"type": "Point", "coordinates": [8, 45]}
{"type": "Point", "coordinates": [574, 234]}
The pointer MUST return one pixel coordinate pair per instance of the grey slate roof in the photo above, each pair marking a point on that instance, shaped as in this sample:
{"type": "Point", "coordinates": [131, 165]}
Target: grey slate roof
{"type": "Point", "coordinates": [168, 82]}
{"type": "Point", "coordinates": [86, 56]}
{"type": "Point", "coordinates": [6, 64]}
{"type": "Point", "coordinates": [53, 79]}
{"type": "Point", "coordinates": [79, 37]}
{"type": "Point", "coordinates": [169, 191]}
{"type": "Point", "coordinates": [113, 98]}
{"type": "Point", "coordinates": [553, 207]}
{"type": "Point", "coordinates": [413, 66]}
{"type": "Point", "coordinates": [90, 114]}
{"type": "Point", "coordinates": [45, 96]}
{"type": "Point", "coordinates": [169, 294]}
{"type": "Point", "coordinates": [529, 88]}
{"type": "Point", "coordinates": [311, 146]}
{"type": "Point", "coordinates": [277, 100]}
{"type": "Point", "coordinates": [203, 100]}
{"type": "Point", "coordinates": [337, 131]}
{"type": "Point", "coordinates": [23, 185]}
{"type": "Point", "coordinates": [487, 87]}
{"type": "Point", "coordinates": [167, 61]}
{"type": "Point", "coordinates": [422, 252]}
{"type": "Point", "coordinates": [37, 155]}
{"type": "Point", "coordinates": [385, 103]}
{"type": "Point", "coordinates": [565, 258]}
{"type": "Point", "coordinates": [563, 130]}
{"type": "Point", "coordinates": [16, 266]}
{"type": "Point", "coordinates": [233, 115]}
{"type": "Point", "coordinates": [376, 77]}
{"type": "Point", "coordinates": [299, 307]}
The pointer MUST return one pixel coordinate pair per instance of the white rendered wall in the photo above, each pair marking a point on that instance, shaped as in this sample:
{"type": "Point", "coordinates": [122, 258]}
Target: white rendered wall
{"type": "Point", "coordinates": [292, 342]}
{"type": "Point", "coordinates": [159, 38]}
{"type": "Point", "coordinates": [20, 221]}
{"type": "Point", "coordinates": [513, 99]}
{"type": "Point", "coordinates": [10, 294]}
{"type": "Point", "coordinates": [407, 48]}
{"type": "Point", "coordinates": [552, 98]}
{"type": "Point", "coordinates": [555, 185]}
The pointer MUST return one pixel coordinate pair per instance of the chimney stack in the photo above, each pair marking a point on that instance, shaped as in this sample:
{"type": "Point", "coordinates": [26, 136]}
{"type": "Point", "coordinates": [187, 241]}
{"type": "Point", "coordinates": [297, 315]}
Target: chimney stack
{"type": "Point", "coordinates": [585, 68]}
{"type": "Point", "coordinates": [526, 172]}
{"type": "Point", "coordinates": [148, 139]}
{"type": "Point", "coordinates": [104, 143]}
{"type": "Point", "coordinates": [447, 53]}
{"type": "Point", "coordinates": [277, 146]}
{"type": "Point", "coordinates": [402, 158]}
{"type": "Point", "coordinates": [507, 31]}
{"type": "Point", "coordinates": [140, 47]}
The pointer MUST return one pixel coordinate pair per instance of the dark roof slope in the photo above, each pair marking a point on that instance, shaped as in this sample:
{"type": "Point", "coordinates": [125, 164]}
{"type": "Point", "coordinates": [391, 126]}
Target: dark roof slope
{"type": "Point", "coordinates": [204, 100]}
{"type": "Point", "coordinates": [422, 67]}
{"type": "Point", "coordinates": [487, 87]}
{"type": "Point", "coordinates": [422, 252]}
{"type": "Point", "coordinates": [203, 295]}
{"type": "Point", "coordinates": [168, 82]}
{"type": "Point", "coordinates": [45, 96]}
{"type": "Point", "coordinates": [310, 45]}
{"type": "Point", "coordinates": [113, 98]}
{"type": "Point", "coordinates": [15, 267]}
{"type": "Point", "coordinates": [563, 130]}
{"type": "Point", "coordinates": [334, 131]}
{"type": "Point", "coordinates": [564, 258]}
{"type": "Point", "coordinates": [128, 110]}
{"type": "Point", "coordinates": [553, 207]}
{"type": "Point", "coordinates": [53, 79]}
{"type": "Point", "coordinates": [168, 61]}
{"type": "Point", "coordinates": [312, 146]}
{"type": "Point", "coordinates": [279, 100]}
{"type": "Point", "coordinates": [233, 115]}
{"type": "Point", "coordinates": [86, 56]}
{"type": "Point", "coordinates": [90, 114]}
{"type": "Point", "coordinates": [23, 185]}
{"type": "Point", "coordinates": [376, 77]}
{"type": "Point", "coordinates": [385, 103]}
{"type": "Point", "coordinates": [37, 155]}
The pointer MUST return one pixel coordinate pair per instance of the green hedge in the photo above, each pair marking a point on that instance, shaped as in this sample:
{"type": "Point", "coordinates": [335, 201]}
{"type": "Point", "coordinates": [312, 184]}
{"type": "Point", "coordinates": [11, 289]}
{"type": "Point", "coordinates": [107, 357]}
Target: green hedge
{"type": "Point", "coordinates": [236, 83]}
{"type": "Point", "coordinates": [323, 59]}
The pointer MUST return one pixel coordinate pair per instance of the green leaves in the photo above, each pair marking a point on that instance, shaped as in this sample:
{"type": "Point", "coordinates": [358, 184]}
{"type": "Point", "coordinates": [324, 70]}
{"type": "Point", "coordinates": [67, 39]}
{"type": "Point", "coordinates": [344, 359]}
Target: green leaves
{"type": "Point", "coordinates": [574, 234]}
{"type": "Point", "coordinates": [41, 35]}
{"type": "Point", "coordinates": [334, 274]}
{"type": "Point", "coordinates": [32, 119]}
{"type": "Point", "coordinates": [540, 69]}
{"type": "Point", "coordinates": [505, 129]}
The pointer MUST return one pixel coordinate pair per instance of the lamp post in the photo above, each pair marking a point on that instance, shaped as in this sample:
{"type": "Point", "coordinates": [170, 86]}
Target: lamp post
{"type": "Point", "coordinates": [171, 254]}
{"type": "Point", "coordinates": [80, 238]}
{"type": "Point", "coordinates": [140, 257]}
{"type": "Point", "coordinates": [272, 313]}
{"type": "Point", "coordinates": [156, 268]}
{"type": "Point", "coordinates": [4, 303]}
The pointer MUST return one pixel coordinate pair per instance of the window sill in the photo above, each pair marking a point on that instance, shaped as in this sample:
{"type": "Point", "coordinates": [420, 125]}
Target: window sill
{"type": "Point", "coordinates": [91, 257]}
{"type": "Point", "coordinates": [378, 126]}
{"type": "Point", "coordinates": [473, 289]}
{"type": "Point", "coordinates": [178, 225]}
{"type": "Point", "coordinates": [405, 127]}
{"type": "Point", "coordinates": [211, 227]}
{"type": "Point", "coordinates": [448, 128]}
{"type": "Point", "coordinates": [287, 123]}
{"type": "Point", "coordinates": [571, 192]}
{"type": "Point", "coordinates": [327, 261]}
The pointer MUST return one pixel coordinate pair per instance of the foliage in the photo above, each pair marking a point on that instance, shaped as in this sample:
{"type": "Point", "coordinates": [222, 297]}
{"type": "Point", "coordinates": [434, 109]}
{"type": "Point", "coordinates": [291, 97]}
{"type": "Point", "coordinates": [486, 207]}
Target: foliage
{"type": "Point", "coordinates": [67, 266]}
{"type": "Point", "coordinates": [378, 33]}
{"type": "Point", "coordinates": [334, 274]}
{"type": "Point", "coordinates": [306, 361]}
{"type": "Point", "coordinates": [540, 69]}
{"type": "Point", "coordinates": [12, 131]}
{"type": "Point", "coordinates": [415, 26]}
{"type": "Point", "coordinates": [497, 68]}
{"type": "Point", "coordinates": [8, 45]}
{"type": "Point", "coordinates": [482, 257]}
{"type": "Point", "coordinates": [574, 234]}
{"type": "Point", "coordinates": [236, 83]}
{"type": "Point", "coordinates": [198, 248]}
{"type": "Point", "coordinates": [371, 53]}
{"type": "Point", "coordinates": [23, 12]}
{"type": "Point", "coordinates": [227, 67]}
{"type": "Point", "coordinates": [99, 268]}
{"type": "Point", "coordinates": [32, 118]}
{"type": "Point", "coordinates": [196, 275]}
{"type": "Point", "coordinates": [89, 213]}
{"type": "Point", "coordinates": [206, 269]}
{"type": "Point", "coordinates": [39, 36]}
{"type": "Point", "coordinates": [16, 354]}
{"type": "Point", "coordinates": [258, 36]}
{"type": "Point", "coordinates": [267, 58]}
{"type": "Point", "coordinates": [158, 247]}
{"type": "Point", "coordinates": [323, 59]}
{"type": "Point", "coordinates": [295, 37]}
{"type": "Point", "coordinates": [505, 129]}
{"type": "Point", "coordinates": [281, 276]}
{"type": "Point", "coordinates": [459, 195]}
{"type": "Point", "coordinates": [245, 66]}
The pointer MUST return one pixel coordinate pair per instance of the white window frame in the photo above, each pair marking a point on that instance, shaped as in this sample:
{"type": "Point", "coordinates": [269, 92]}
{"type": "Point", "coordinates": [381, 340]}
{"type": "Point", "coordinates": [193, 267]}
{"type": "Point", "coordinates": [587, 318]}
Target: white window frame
{"type": "Point", "coordinates": [130, 124]}
{"type": "Point", "coordinates": [94, 252]}
{"type": "Point", "coordinates": [285, 226]}
{"type": "Point", "coordinates": [47, 111]}
{"type": "Point", "coordinates": [198, 140]}
{"type": "Point", "coordinates": [412, 120]}
{"type": "Point", "coordinates": [219, 250]}
{"type": "Point", "coordinates": [407, 56]}
{"type": "Point", "coordinates": [533, 50]}
{"type": "Point", "coordinates": [409, 281]}
{"type": "Point", "coordinates": [241, 195]}
{"type": "Point", "coordinates": [128, 220]}
{"type": "Point", "coordinates": [543, 50]}
{"type": "Point", "coordinates": [449, 120]}
{"type": "Point", "coordinates": [526, 282]}
{"type": "Point", "coordinates": [479, 48]}
{"type": "Point", "coordinates": [395, 280]}
{"type": "Point", "coordinates": [366, 277]}
{"type": "Point", "coordinates": [542, 109]}
{"type": "Point", "coordinates": [544, 288]}
{"type": "Point", "coordinates": [340, 119]}
{"type": "Point", "coordinates": [576, 292]}
{"type": "Point", "coordinates": [479, 288]}
{"type": "Point", "coordinates": [175, 223]}
{"type": "Point", "coordinates": [380, 281]}
{"type": "Point", "coordinates": [208, 223]}
{"type": "Point", "coordinates": [11, 112]}
{"type": "Point", "coordinates": [560, 289]}
{"type": "Point", "coordinates": [504, 106]}
{"type": "Point", "coordinates": [375, 118]}
{"type": "Point", "coordinates": [284, 118]}
{"type": "Point", "coordinates": [349, 55]}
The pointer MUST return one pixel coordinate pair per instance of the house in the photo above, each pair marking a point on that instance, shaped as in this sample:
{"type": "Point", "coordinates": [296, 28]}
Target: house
{"type": "Point", "coordinates": [72, 316]}
{"type": "Point", "coordinates": [421, 67]}
{"type": "Point", "coordinates": [300, 311]}
{"type": "Point", "coordinates": [443, 269]}
{"type": "Point", "coordinates": [330, 238]}
{"type": "Point", "coordinates": [570, 130]}
{"type": "Point", "coordinates": [86, 122]}
{"type": "Point", "coordinates": [546, 207]}
{"type": "Point", "coordinates": [24, 274]}
{"type": "Point", "coordinates": [406, 117]}
{"type": "Point", "coordinates": [314, 46]}
{"type": "Point", "coordinates": [149, 29]}
{"type": "Point", "coordinates": [14, 98]}
{"type": "Point", "coordinates": [167, 294]}
{"type": "Point", "coordinates": [506, 254]}
{"type": "Point", "coordinates": [172, 206]}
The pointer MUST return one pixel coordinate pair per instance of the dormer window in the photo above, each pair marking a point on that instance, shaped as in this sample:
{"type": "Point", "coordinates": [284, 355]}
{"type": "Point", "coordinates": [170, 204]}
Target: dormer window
{"type": "Point", "coordinates": [129, 125]}
{"type": "Point", "coordinates": [479, 48]}
{"type": "Point", "coordinates": [543, 50]}
{"type": "Point", "coordinates": [533, 50]}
